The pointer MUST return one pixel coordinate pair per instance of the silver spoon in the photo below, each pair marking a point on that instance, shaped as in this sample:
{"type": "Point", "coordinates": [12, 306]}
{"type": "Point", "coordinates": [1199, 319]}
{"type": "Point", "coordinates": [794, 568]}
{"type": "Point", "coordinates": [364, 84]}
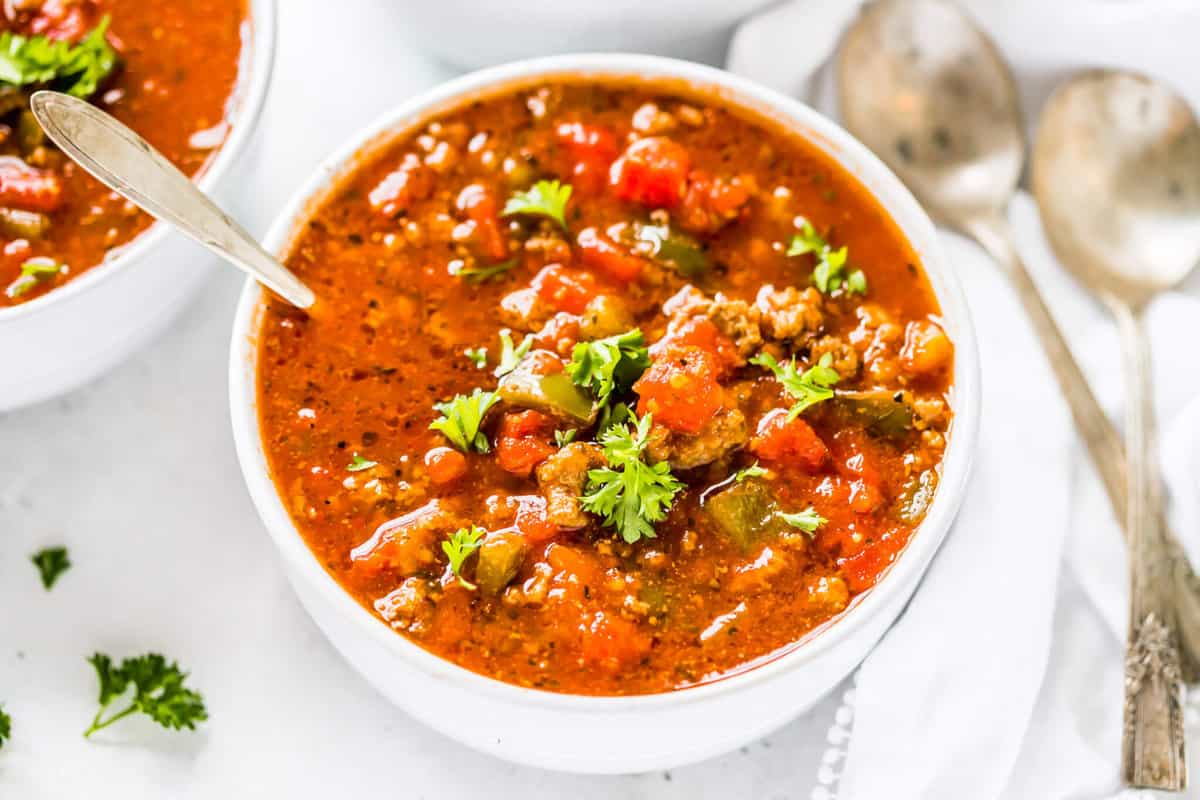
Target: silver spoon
{"type": "Point", "coordinates": [127, 164]}
{"type": "Point", "coordinates": [922, 86]}
{"type": "Point", "coordinates": [1116, 174]}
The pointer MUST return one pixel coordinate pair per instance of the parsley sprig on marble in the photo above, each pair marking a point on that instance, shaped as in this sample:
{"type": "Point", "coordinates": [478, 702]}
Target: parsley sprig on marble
{"type": "Point", "coordinates": [809, 387]}
{"type": "Point", "coordinates": [51, 563]}
{"type": "Point", "coordinates": [630, 494]}
{"type": "Point", "coordinates": [158, 691]}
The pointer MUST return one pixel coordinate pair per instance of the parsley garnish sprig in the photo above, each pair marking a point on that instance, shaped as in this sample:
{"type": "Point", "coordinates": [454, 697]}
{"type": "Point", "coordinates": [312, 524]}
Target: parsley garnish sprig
{"type": "Point", "coordinates": [609, 365]}
{"type": "Point", "coordinates": [543, 199]}
{"type": "Point", "coordinates": [478, 275]}
{"type": "Point", "coordinates": [51, 563]}
{"type": "Point", "coordinates": [461, 420]}
{"type": "Point", "coordinates": [158, 692]}
{"type": "Point", "coordinates": [630, 494]}
{"type": "Point", "coordinates": [807, 520]}
{"type": "Point", "coordinates": [459, 546]}
{"type": "Point", "coordinates": [510, 354]}
{"type": "Point", "coordinates": [830, 273]}
{"type": "Point", "coordinates": [808, 387]}
{"type": "Point", "coordinates": [77, 69]}
{"type": "Point", "coordinates": [5, 727]}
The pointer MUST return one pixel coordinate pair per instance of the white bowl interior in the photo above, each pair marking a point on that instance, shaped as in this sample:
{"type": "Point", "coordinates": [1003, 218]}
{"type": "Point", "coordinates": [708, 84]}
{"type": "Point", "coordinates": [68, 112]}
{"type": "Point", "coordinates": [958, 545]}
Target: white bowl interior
{"type": "Point", "coordinates": [894, 586]}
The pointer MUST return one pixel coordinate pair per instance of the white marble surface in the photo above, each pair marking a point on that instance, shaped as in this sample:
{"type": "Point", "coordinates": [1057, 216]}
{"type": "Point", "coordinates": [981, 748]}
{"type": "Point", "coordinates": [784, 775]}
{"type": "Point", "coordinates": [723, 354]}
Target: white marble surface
{"type": "Point", "coordinates": [136, 474]}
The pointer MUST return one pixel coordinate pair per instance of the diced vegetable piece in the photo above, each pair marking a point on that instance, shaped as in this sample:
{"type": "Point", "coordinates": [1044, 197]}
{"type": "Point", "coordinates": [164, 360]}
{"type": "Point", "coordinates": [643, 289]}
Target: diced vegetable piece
{"type": "Point", "coordinates": [745, 513]}
{"type": "Point", "coordinates": [28, 188]}
{"type": "Point", "coordinates": [612, 642]}
{"type": "Point", "coordinates": [15, 223]}
{"type": "Point", "coordinates": [680, 389]}
{"type": "Point", "coordinates": [533, 519]}
{"type": "Point", "coordinates": [607, 258]}
{"type": "Point", "coordinates": [410, 182]}
{"type": "Point", "coordinates": [701, 332]}
{"type": "Point", "coordinates": [605, 315]}
{"type": "Point", "coordinates": [927, 350]}
{"type": "Point", "coordinates": [673, 249]}
{"type": "Point", "coordinates": [592, 149]}
{"type": "Point", "coordinates": [526, 439]}
{"type": "Point", "coordinates": [883, 411]}
{"type": "Point", "coordinates": [786, 442]}
{"type": "Point", "coordinates": [711, 203]}
{"type": "Point", "coordinates": [565, 290]}
{"type": "Point", "coordinates": [554, 394]}
{"type": "Point", "coordinates": [915, 496]}
{"type": "Point", "coordinates": [445, 464]}
{"type": "Point", "coordinates": [653, 172]}
{"type": "Point", "coordinates": [480, 206]}
{"type": "Point", "coordinates": [500, 558]}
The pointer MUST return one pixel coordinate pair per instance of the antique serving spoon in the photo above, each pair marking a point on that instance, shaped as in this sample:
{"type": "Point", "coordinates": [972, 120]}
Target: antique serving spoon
{"type": "Point", "coordinates": [922, 86]}
{"type": "Point", "coordinates": [1116, 174]}
{"type": "Point", "coordinates": [127, 164]}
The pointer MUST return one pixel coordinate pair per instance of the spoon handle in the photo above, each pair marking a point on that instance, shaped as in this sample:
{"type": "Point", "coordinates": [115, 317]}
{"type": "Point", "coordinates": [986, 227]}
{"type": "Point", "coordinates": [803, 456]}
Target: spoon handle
{"type": "Point", "coordinates": [1153, 740]}
{"type": "Point", "coordinates": [1103, 443]}
{"type": "Point", "coordinates": [127, 164]}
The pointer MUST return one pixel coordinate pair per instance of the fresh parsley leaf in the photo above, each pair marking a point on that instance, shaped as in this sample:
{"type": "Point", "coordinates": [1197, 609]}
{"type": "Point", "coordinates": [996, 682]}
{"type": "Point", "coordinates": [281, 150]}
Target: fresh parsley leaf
{"type": "Point", "coordinates": [810, 387]}
{"type": "Point", "coordinates": [564, 438]}
{"type": "Point", "coordinates": [158, 692]}
{"type": "Point", "coordinates": [807, 520]}
{"type": "Point", "coordinates": [34, 271]}
{"type": "Point", "coordinates": [510, 356]}
{"type": "Point", "coordinates": [543, 199]}
{"type": "Point", "coordinates": [358, 464]}
{"type": "Point", "coordinates": [462, 417]}
{"type": "Point", "coordinates": [51, 562]}
{"type": "Point", "coordinates": [752, 471]}
{"type": "Point", "coordinates": [477, 356]}
{"type": "Point", "coordinates": [615, 414]}
{"type": "Point", "coordinates": [461, 544]}
{"type": "Point", "coordinates": [830, 273]}
{"type": "Point", "coordinates": [5, 727]}
{"type": "Point", "coordinates": [629, 494]}
{"type": "Point", "coordinates": [477, 275]}
{"type": "Point", "coordinates": [609, 365]}
{"type": "Point", "coordinates": [77, 69]}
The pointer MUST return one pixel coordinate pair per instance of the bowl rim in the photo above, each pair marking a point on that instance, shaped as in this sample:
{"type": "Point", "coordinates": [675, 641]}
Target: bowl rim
{"type": "Point", "coordinates": [801, 119]}
{"type": "Point", "coordinates": [250, 98]}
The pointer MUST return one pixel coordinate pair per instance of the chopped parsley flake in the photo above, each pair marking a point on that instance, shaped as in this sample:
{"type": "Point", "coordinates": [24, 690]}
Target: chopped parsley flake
{"type": "Point", "coordinates": [510, 356]}
{"type": "Point", "coordinates": [477, 356]}
{"type": "Point", "coordinates": [459, 546]}
{"type": "Point", "coordinates": [807, 520]}
{"type": "Point", "coordinates": [809, 387]}
{"type": "Point", "coordinates": [358, 464]}
{"type": "Point", "coordinates": [830, 274]}
{"type": "Point", "coordinates": [543, 199]}
{"type": "Point", "coordinates": [752, 471]}
{"type": "Point", "coordinates": [462, 418]}
{"type": "Point", "coordinates": [51, 563]}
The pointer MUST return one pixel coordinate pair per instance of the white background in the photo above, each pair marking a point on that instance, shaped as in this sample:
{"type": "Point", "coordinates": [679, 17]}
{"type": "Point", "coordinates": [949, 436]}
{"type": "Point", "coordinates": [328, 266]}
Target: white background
{"type": "Point", "coordinates": [136, 475]}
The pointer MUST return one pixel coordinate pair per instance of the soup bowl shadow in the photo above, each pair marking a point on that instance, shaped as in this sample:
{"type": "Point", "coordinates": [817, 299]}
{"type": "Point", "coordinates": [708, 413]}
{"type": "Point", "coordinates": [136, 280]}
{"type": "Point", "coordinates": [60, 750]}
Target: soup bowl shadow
{"type": "Point", "coordinates": [610, 734]}
{"type": "Point", "coordinates": [67, 337]}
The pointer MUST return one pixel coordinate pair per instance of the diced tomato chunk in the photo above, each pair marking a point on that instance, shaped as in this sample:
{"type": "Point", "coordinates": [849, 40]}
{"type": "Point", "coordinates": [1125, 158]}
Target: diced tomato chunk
{"type": "Point", "coordinates": [63, 20]}
{"type": "Point", "coordinates": [445, 464]}
{"type": "Point", "coordinates": [612, 642]}
{"type": "Point", "coordinates": [784, 442]}
{"type": "Point", "coordinates": [532, 521]}
{"type": "Point", "coordinates": [680, 389]}
{"type": "Point", "coordinates": [863, 568]}
{"type": "Point", "coordinates": [857, 460]}
{"type": "Point", "coordinates": [701, 332]}
{"type": "Point", "coordinates": [408, 183]}
{"type": "Point", "coordinates": [28, 188]}
{"type": "Point", "coordinates": [710, 203]}
{"type": "Point", "coordinates": [479, 204]}
{"type": "Point", "coordinates": [592, 150]}
{"type": "Point", "coordinates": [565, 290]}
{"type": "Point", "coordinates": [525, 440]}
{"type": "Point", "coordinates": [652, 171]}
{"type": "Point", "coordinates": [573, 566]}
{"type": "Point", "coordinates": [607, 258]}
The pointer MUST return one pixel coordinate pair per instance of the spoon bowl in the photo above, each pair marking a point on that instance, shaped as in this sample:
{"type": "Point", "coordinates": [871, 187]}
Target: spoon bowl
{"type": "Point", "coordinates": [1117, 175]}
{"type": "Point", "coordinates": [931, 95]}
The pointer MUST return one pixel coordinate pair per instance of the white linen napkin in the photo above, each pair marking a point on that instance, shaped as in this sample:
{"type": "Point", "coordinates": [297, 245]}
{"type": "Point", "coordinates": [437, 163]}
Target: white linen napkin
{"type": "Point", "coordinates": [1003, 677]}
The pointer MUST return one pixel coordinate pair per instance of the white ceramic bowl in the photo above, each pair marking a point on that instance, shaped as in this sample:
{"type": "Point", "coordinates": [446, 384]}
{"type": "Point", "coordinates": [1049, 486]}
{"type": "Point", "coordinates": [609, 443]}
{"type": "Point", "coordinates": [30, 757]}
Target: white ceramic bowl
{"type": "Point", "coordinates": [611, 734]}
{"type": "Point", "coordinates": [70, 335]}
{"type": "Point", "coordinates": [471, 34]}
